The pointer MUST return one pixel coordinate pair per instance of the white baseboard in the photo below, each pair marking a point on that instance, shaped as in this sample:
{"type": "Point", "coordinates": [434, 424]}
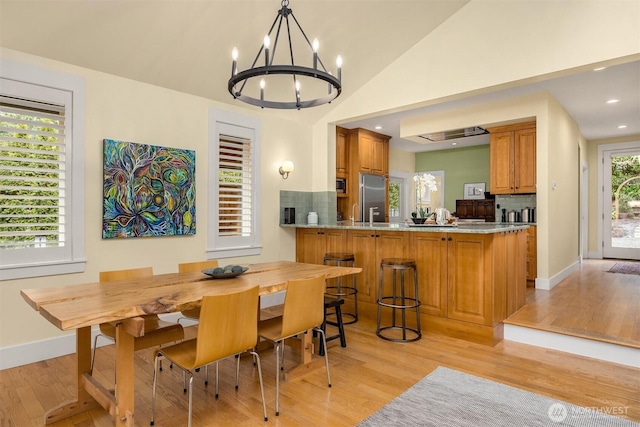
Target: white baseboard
{"type": "Point", "coordinates": [548, 284]}
{"type": "Point", "coordinates": [584, 347]}
{"type": "Point", "coordinates": [36, 351]}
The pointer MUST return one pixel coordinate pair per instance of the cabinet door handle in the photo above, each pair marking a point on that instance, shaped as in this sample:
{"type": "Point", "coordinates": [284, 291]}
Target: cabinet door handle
{"type": "Point", "coordinates": [443, 239]}
{"type": "Point", "coordinates": [449, 239]}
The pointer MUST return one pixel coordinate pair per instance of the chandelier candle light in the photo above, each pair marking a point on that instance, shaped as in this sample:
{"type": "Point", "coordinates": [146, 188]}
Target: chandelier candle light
{"type": "Point", "coordinates": [241, 87]}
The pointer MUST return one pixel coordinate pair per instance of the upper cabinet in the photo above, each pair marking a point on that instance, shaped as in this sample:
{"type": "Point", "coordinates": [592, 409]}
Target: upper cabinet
{"type": "Point", "coordinates": [513, 159]}
{"type": "Point", "coordinates": [369, 152]}
{"type": "Point", "coordinates": [342, 152]}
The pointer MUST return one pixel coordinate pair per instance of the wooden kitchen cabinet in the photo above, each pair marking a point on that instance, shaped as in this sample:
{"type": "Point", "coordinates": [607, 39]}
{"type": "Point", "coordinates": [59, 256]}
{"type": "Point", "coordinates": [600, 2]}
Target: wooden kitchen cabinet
{"type": "Point", "coordinates": [430, 253]}
{"type": "Point", "coordinates": [342, 152]}
{"type": "Point", "coordinates": [313, 243]}
{"type": "Point", "coordinates": [474, 278]}
{"type": "Point", "coordinates": [368, 152]}
{"type": "Point", "coordinates": [532, 255]}
{"type": "Point", "coordinates": [469, 278]}
{"type": "Point", "coordinates": [476, 209]}
{"type": "Point", "coordinates": [369, 248]}
{"type": "Point", "coordinates": [468, 283]}
{"type": "Point", "coordinates": [516, 279]}
{"type": "Point", "coordinates": [513, 159]}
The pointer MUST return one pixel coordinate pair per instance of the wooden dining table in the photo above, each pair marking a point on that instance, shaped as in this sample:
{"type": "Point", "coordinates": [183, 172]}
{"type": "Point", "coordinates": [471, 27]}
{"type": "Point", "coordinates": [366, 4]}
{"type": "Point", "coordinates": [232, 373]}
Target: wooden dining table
{"type": "Point", "coordinates": [79, 307]}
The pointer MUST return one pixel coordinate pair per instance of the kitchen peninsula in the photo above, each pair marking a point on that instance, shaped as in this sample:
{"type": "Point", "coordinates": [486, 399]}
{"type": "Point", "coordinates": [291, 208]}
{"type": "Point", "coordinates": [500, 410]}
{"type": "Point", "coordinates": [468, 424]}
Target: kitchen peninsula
{"type": "Point", "coordinates": [470, 276]}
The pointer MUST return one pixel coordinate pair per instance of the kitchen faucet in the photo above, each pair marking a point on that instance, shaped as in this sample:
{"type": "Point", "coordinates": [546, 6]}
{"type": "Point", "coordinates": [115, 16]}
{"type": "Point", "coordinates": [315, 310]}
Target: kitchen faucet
{"type": "Point", "coordinates": [374, 208]}
{"type": "Point", "coordinates": [353, 216]}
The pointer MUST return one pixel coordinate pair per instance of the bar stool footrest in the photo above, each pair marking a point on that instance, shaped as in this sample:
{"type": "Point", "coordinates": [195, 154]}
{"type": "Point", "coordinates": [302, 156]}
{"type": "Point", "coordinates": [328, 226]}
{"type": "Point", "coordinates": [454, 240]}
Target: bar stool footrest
{"type": "Point", "coordinates": [399, 328]}
{"type": "Point", "coordinates": [415, 304]}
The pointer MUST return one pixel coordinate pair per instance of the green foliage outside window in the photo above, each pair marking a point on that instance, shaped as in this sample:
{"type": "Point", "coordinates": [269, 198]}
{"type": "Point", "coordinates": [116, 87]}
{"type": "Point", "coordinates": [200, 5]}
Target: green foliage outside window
{"type": "Point", "coordinates": [30, 176]}
{"type": "Point", "coordinates": [625, 183]}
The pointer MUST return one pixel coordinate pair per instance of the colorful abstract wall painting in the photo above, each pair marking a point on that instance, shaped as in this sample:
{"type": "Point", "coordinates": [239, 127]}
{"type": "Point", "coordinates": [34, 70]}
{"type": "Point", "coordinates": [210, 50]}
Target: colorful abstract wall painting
{"type": "Point", "coordinates": [148, 190]}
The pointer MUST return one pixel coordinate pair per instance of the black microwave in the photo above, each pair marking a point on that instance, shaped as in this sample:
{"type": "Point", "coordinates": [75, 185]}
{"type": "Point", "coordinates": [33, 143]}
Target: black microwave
{"type": "Point", "coordinates": [341, 185]}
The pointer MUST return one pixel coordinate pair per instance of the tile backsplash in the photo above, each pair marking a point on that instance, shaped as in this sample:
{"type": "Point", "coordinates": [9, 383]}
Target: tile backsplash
{"type": "Point", "coordinates": [514, 202]}
{"type": "Point", "coordinates": [322, 202]}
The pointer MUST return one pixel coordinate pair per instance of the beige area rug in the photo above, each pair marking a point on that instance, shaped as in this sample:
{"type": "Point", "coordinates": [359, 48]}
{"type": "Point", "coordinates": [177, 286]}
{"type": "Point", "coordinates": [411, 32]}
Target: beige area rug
{"type": "Point", "coordinates": [626, 268]}
{"type": "Point", "coordinates": [448, 398]}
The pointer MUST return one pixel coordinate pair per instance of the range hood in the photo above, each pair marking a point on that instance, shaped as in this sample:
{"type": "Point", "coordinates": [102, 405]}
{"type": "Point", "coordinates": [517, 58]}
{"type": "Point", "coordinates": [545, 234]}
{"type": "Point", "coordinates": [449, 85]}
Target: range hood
{"type": "Point", "coordinates": [454, 134]}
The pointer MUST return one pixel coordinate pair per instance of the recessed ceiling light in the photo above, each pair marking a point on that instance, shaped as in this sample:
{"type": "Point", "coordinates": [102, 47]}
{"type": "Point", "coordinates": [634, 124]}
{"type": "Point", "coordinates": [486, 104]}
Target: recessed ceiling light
{"type": "Point", "coordinates": [378, 127]}
{"type": "Point", "coordinates": [622, 127]}
{"type": "Point", "coordinates": [613, 101]}
{"type": "Point", "coordinates": [599, 68]}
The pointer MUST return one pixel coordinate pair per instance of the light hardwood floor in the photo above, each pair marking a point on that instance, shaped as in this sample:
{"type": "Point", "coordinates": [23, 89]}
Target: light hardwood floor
{"type": "Point", "coordinates": [592, 304]}
{"type": "Point", "coordinates": [366, 375]}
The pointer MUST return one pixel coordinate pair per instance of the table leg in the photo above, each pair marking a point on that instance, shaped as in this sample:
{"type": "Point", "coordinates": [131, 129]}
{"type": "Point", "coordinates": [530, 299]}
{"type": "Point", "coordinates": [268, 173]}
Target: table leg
{"type": "Point", "coordinates": [307, 362]}
{"type": "Point", "coordinates": [84, 401]}
{"type": "Point", "coordinates": [124, 377]}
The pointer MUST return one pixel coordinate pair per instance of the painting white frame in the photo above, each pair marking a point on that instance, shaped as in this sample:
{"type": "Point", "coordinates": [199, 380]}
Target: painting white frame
{"type": "Point", "coordinates": [474, 190]}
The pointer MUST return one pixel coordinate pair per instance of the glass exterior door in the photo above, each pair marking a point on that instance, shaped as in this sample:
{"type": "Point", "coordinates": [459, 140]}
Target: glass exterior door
{"type": "Point", "coordinates": [622, 204]}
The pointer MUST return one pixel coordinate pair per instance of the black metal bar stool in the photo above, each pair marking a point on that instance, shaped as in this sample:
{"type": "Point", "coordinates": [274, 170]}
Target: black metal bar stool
{"type": "Point", "coordinates": [340, 290]}
{"type": "Point", "coordinates": [399, 302]}
{"type": "Point", "coordinates": [331, 302]}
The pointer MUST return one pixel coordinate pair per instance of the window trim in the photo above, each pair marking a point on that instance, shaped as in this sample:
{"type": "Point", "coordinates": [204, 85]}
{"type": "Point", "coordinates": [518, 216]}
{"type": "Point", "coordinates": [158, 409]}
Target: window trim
{"type": "Point", "coordinates": [403, 179]}
{"type": "Point", "coordinates": [216, 247]}
{"type": "Point", "coordinates": [75, 260]}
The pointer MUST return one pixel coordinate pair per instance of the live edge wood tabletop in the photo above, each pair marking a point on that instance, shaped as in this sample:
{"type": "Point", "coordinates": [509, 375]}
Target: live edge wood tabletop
{"type": "Point", "coordinates": [81, 306]}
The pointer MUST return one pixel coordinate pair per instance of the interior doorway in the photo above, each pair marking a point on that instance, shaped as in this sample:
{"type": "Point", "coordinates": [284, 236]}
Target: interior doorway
{"type": "Point", "coordinates": [621, 201]}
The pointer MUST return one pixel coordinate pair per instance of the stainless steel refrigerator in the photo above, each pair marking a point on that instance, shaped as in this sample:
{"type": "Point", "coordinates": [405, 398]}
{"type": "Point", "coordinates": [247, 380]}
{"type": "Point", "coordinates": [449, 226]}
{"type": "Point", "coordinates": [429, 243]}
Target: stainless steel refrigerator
{"type": "Point", "coordinates": [372, 194]}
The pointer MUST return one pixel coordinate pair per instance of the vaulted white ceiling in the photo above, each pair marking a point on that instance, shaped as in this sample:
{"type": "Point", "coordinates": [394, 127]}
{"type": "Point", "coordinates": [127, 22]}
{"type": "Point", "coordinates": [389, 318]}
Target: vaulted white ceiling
{"type": "Point", "coordinates": [186, 45]}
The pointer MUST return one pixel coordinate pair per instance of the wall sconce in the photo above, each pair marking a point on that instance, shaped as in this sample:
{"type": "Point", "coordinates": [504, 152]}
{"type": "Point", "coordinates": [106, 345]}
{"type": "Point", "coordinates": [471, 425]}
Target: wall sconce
{"type": "Point", "coordinates": [287, 166]}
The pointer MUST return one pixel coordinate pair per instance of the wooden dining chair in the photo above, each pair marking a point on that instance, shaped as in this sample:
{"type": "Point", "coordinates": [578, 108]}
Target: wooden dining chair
{"type": "Point", "coordinates": [156, 330]}
{"type": "Point", "coordinates": [190, 267]}
{"type": "Point", "coordinates": [303, 310]}
{"type": "Point", "coordinates": [227, 327]}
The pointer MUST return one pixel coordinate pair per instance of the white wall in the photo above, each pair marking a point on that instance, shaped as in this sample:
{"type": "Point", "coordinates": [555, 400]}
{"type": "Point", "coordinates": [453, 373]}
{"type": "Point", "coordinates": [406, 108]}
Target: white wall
{"type": "Point", "coordinates": [118, 108]}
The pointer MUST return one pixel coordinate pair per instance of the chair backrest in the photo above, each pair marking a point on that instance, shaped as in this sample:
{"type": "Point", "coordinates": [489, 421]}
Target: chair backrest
{"type": "Point", "coordinates": [133, 273]}
{"type": "Point", "coordinates": [303, 305]}
{"type": "Point", "coordinates": [228, 325]}
{"type": "Point", "coordinates": [190, 267]}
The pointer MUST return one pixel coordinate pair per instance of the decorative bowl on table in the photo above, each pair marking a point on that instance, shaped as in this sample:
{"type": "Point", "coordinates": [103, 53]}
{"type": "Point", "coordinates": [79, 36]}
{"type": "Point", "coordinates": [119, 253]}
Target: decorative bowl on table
{"type": "Point", "coordinates": [227, 272]}
{"type": "Point", "coordinates": [418, 220]}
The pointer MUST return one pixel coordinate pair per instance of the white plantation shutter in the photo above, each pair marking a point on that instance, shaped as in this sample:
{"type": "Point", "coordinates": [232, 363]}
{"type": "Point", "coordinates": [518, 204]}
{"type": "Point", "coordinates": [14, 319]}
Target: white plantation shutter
{"type": "Point", "coordinates": [41, 172]}
{"type": "Point", "coordinates": [235, 187]}
{"type": "Point", "coordinates": [32, 174]}
{"type": "Point", "coordinates": [234, 194]}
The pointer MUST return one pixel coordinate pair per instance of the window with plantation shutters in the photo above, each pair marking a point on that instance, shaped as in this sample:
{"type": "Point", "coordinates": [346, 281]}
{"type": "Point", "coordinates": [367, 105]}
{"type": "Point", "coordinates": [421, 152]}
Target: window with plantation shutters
{"type": "Point", "coordinates": [235, 184]}
{"type": "Point", "coordinates": [41, 172]}
{"type": "Point", "coordinates": [32, 174]}
{"type": "Point", "coordinates": [234, 193]}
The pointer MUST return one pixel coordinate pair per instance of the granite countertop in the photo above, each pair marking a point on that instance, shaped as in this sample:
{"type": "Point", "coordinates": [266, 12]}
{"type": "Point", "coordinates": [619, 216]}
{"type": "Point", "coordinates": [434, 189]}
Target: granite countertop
{"type": "Point", "coordinates": [471, 227]}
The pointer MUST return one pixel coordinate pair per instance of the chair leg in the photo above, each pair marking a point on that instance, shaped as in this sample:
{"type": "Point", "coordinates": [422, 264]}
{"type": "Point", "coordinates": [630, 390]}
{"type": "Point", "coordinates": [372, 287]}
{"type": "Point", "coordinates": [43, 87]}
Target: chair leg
{"type": "Point", "coordinates": [343, 337]}
{"type": "Point", "coordinates": [237, 370]}
{"type": "Point", "coordinates": [256, 358]}
{"type": "Point", "coordinates": [326, 354]}
{"type": "Point", "coordinates": [217, 376]}
{"type": "Point", "coordinates": [190, 398]}
{"type": "Point", "coordinates": [278, 345]}
{"type": "Point", "coordinates": [95, 346]}
{"type": "Point", "coordinates": [153, 389]}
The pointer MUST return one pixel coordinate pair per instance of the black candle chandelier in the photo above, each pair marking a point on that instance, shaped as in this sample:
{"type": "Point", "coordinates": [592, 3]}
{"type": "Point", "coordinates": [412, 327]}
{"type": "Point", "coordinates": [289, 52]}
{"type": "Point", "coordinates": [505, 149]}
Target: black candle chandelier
{"type": "Point", "coordinates": [290, 81]}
